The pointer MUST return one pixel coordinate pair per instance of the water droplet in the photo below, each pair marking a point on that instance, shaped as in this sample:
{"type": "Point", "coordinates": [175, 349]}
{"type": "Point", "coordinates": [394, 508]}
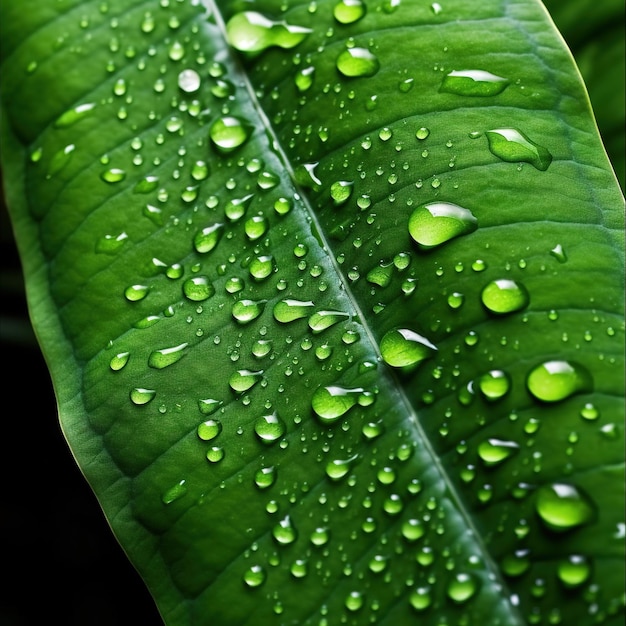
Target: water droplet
{"type": "Point", "coordinates": [70, 117]}
{"type": "Point", "coordinates": [356, 62]}
{"type": "Point", "coordinates": [110, 244]}
{"type": "Point", "coordinates": [494, 384]}
{"type": "Point", "coordinates": [208, 406]}
{"type": "Point", "coordinates": [332, 402]}
{"type": "Point", "coordinates": [209, 430]}
{"type": "Point", "coordinates": [284, 532]}
{"type": "Point", "coordinates": [113, 175]}
{"type": "Point", "coordinates": [250, 31]}
{"type": "Point", "coordinates": [304, 78]}
{"type": "Point", "coordinates": [563, 507]}
{"type": "Point", "coordinates": [340, 191]}
{"type": "Point", "coordinates": [229, 132]}
{"type": "Point", "coordinates": [325, 319]}
{"type": "Point", "coordinates": [245, 311]}
{"type": "Point", "coordinates": [513, 146]}
{"type": "Point", "coordinates": [354, 601]}
{"type": "Point", "coordinates": [175, 492]}
{"type": "Point", "coordinates": [265, 477]}
{"type": "Point", "coordinates": [436, 223]}
{"type": "Point", "coordinates": [254, 576]}
{"type": "Point", "coordinates": [320, 536]}
{"type": "Point", "coordinates": [305, 176]}
{"type": "Point", "coordinates": [206, 239]}
{"type": "Point", "coordinates": [290, 310]}
{"type": "Point", "coordinates": [574, 571]}
{"type": "Point", "coordinates": [198, 288]}
{"type": "Point", "coordinates": [299, 568]}
{"type": "Point", "coordinates": [256, 227]}
{"type": "Point", "coordinates": [381, 274]}
{"type": "Point", "coordinates": [349, 11]}
{"type": "Point", "coordinates": [261, 267]}
{"type": "Point", "coordinates": [473, 83]}
{"type": "Point", "coordinates": [60, 159]}
{"type": "Point", "coordinates": [160, 359]}
{"type": "Point", "coordinates": [119, 361]}
{"type": "Point", "coordinates": [495, 451]}
{"type": "Point", "coordinates": [189, 81]}
{"type": "Point", "coordinates": [243, 380]}
{"type": "Point", "coordinates": [236, 208]}
{"type": "Point", "coordinates": [140, 396]}
{"type": "Point", "coordinates": [215, 454]}
{"type": "Point", "coordinates": [504, 296]}
{"type": "Point", "coordinates": [134, 293]}
{"type": "Point", "coordinates": [146, 185]}
{"type": "Point", "coordinates": [405, 348]}
{"type": "Point", "coordinates": [516, 564]}
{"type": "Point", "coordinates": [421, 598]}
{"type": "Point", "coordinates": [553, 381]}
{"type": "Point", "coordinates": [462, 587]}
{"type": "Point", "coordinates": [559, 253]}
{"type": "Point", "coordinates": [269, 428]}
{"type": "Point", "coordinates": [339, 468]}
{"type": "Point", "coordinates": [589, 412]}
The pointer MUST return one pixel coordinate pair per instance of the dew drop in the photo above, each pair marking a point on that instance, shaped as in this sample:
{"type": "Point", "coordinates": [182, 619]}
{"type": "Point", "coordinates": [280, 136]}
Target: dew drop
{"type": "Point", "coordinates": [332, 402]}
{"type": "Point", "coordinates": [405, 348]}
{"type": "Point", "coordinates": [243, 380]}
{"type": "Point", "coordinates": [113, 175]}
{"type": "Point", "coordinates": [357, 62]}
{"type": "Point", "coordinates": [146, 185]}
{"type": "Point", "coordinates": [354, 601]}
{"type": "Point", "coordinates": [70, 117]}
{"type": "Point", "coordinates": [208, 406]}
{"type": "Point", "coordinates": [349, 11]}
{"type": "Point", "coordinates": [175, 492]}
{"type": "Point", "coordinates": [284, 532]}
{"type": "Point", "coordinates": [134, 293]}
{"type": "Point", "coordinates": [339, 468]}
{"type": "Point", "coordinates": [215, 454]}
{"type": "Point", "coordinates": [206, 239]}
{"type": "Point", "coordinates": [256, 227]}
{"type": "Point", "coordinates": [421, 598]}
{"type": "Point", "coordinates": [494, 384]}
{"type": "Point", "coordinates": [265, 477]}
{"type": "Point", "coordinates": [229, 133]}
{"type": "Point", "coordinates": [140, 396]}
{"type": "Point", "coordinates": [321, 320]}
{"type": "Point", "coordinates": [461, 588]}
{"type": "Point", "coordinates": [562, 506]}
{"type": "Point", "coordinates": [512, 146]}
{"type": "Point", "coordinates": [435, 223]}
{"type": "Point", "coordinates": [289, 310]}
{"type": "Point", "coordinates": [261, 267]}
{"type": "Point", "coordinates": [254, 576]}
{"type": "Point", "coordinates": [159, 359]}
{"type": "Point", "coordinates": [110, 244]}
{"type": "Point", "coordinates": [119, 361]}
{"type": "Point", "coordinates": [60, 160]}
{"type": "Point", "coordinates": [473, 83]}
{"type": "Point", "coordinates": [495, 451]}
{"type": "Point", "coordinates": [504, 296]}
{"type": "Point", "coordinates": [340, 191]}
{"type": "Point", "coordinates": [245, 311]}
{"type": "Point", "coordinates": [269, 428]}
{"type": "Point", "coordinates": [198, 288]}
{"type": "Point", "coordinates": [557, 380]}
{"type": "Point", "coordinates": [574, 571]}
{"type": "Point", "coordinates": [189, 81]}
{"type": "Point", "coordinates": [209, 430]}
{"type": "Point", "coordinates": [250, 31]}
{"type": "Point", "coordinates": [304, 78]}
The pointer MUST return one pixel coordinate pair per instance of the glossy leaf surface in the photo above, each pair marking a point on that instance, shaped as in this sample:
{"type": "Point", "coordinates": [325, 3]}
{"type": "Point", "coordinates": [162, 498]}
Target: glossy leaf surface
{"type": "Point", "coordinates": [332, 296]}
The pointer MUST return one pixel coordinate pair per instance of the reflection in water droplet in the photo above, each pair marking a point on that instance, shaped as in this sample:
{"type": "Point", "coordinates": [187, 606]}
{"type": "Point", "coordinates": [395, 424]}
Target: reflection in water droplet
{"type": "Point", "coordinates": [436, 223]}
{"type": "Point", "coordinates": [504, 296]}
{"type": "Point", "coordinates": [250, 31]}
{"type": "Point", "coordinates": [553, 381]}
{"type": "Point", "coordinates": [563, 507]}
{"type": "Point", "coordinates": [405, 348]}
{"type": "Point", "coordinates": [356, 62]}
{"type": "Point", "coordinates": [229, 132]}
{"type": "Point", "coordinates": [189, 81]}
{"type": "Point", "coordinates": [513, 146]}
{"type": "Point", "coordinates": [473, 83]}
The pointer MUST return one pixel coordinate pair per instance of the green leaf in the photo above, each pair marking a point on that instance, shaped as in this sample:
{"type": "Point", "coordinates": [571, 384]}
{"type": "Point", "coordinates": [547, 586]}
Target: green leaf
{"type": "Point", "coordinates": [332, 299]}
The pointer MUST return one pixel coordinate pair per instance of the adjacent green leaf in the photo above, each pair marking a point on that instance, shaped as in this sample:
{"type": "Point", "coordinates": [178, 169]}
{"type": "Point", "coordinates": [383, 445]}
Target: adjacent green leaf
{"type": "Point", "coordinates": [332, 298]}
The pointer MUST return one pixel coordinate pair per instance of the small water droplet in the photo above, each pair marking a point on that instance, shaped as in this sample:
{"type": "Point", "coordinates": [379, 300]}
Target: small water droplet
{"type": "Point", "coordinates": [405, 348]}
{"type": "Point", "coordinates": [559, 253]}
{"type": "Point", "coordinates": [357, 62]}
{"type": "Point", "coordinates": [189, 81]}
{"type": "Point", "coordinates": [435, 223]}
{"type": "Point", "coordinates": [175, 492]}
{"type": "Point", "coordinates": [284, 532]}
{"type": "Point", "coordinates": [557, 380]}
{"type": "Point", "coordinates": [513, 146]}
{"type": "Point", "coordinates": [473, 83]}
{"type": "Point", "coordinates": [504, 296]}
{"type": "Point", "coordinates": [562, 506]}
{"type": "Point", "coordinates": [254, 576]}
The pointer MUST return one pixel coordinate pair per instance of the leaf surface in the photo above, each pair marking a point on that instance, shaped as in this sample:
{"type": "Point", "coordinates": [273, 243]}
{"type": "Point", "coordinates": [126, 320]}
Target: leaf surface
{"type": "Point", "coordinates": [335, 320]}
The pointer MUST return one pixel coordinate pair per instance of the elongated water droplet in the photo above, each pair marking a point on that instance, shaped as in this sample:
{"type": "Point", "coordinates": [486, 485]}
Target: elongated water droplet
{"type": "Point", "coordinates": [229, 133]}
{"type": "Point", "coordinates": [140, 396]}
{"type": "Point", "coordinates": [243, 380]}
{"type": "Point", "coordinates": [206, 239]}
{"type": "Point", "coordinates": [160, 359]}
{"type": "Point", "coordinates": [198, 288]}
{"type": "Point", "coordinates": [289, 310]}
{"type": "Point", "coordinates": [338, 468]}
{"type": "Point", "coordinates": [175, 492]}
{"type": "Point", "coordinates": [435, 223]}
{"type": "Point", "coordinates": [250, 31]}
{"type": "Point", "coordinates": [113, 175]}
{"type": "Point", "coordinates": [236, 208]}
{"type": "Point", "coordinates": [357, 62]}
{"type": "Point", "coordinates": [69, 118]}
{"type": "Point", "coordinates": [495, 451]}
{"type": "Point", "coordinates": [473, 83]}
{"type": "Point", "coordinates": [556, 380]}
{"type": "Point", "coordinates": [60, 159]}
{"type": "Point", "coordinates": [562, 506]}
{"type": "Point", "coordinates": [321, 320]}
{"type": "Point", "coordinates": [119, 361]}
{"type": "Point", "coordinates": [504, 296]}
{"type": "Point", "coordinates": [146, 185]}
{"type": "Point", "coordinates": [134, 293]}
{"type": "Point", "coordinates": [332, 402]}
{"type": "Point", "coordinates": [269, 428]}
{"type": "Point", "coordinates": [513, 146]}
{"type": "Point", "coordinates": [405, 348]}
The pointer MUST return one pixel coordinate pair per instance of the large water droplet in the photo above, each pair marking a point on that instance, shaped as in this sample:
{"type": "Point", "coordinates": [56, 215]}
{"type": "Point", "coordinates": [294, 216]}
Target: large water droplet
{"type": "Point", "coordinates": [349, 11]}
{"type": "Point", "coordinates": [290, 310]}
{"type": "Point", "coordinates": [405, 348]}
{"type": "Point", "coordinates": [198, 288]}
{"type": "Point", "coordinates": [70, 117]}
{"type": "Point", "coordinates": [229, 132]}
{"type": "Point", "coordinates": [189, 81]}
{"type": "Point", "coordinates": [421, 598]}
{"type": "Point", "coordinates": [254, 576]}
{"type": "Point", "coordinates": [356, 62]}
{"type": "Point", "coordinates": [332, 402]}
{"type": "Point", "coordinates": [553, 381]}
{"type": "Point", "coordinates": [245, 311]}
{"type": "Point", "coordinates": [140, 396]}
{"type": "Point", "coordinates": [250, 31]}
{"type": "Point", "coordinates": [269, 428]}
{"type": "Point", "coordinates": [206, 239]}
{"type": "Point", "coordinates": [504, 296]}
{"type": "Point", "coordinates": [494, 451]}
{"type": "Point", "coordinates": [563, 507]}
{"type": "Point", "coordinates": [462, 587]}
{"type": "Point", "coordinates": [513, 146]}
{"type": "Point", "coordinates": [574, 571]}
{"type": "Point", "coordinates": [209, 430]}
{"type": "Point", "coordinates": [160, 359]}
{"type": "Point", "coordinates": [435, 223]}
{"type": "Point", "coordinates": [284, 532]}
{"type": "Point", "coordinates": [494, 384]}
{"type": "Point", "coordinates": [265, 477]}
{"type": "Point", "coordinates": [243, 380]}
{"type": "Point", "coordinates": [338, 468]}
{"type": "Point", "coordinates": [473, 83]}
